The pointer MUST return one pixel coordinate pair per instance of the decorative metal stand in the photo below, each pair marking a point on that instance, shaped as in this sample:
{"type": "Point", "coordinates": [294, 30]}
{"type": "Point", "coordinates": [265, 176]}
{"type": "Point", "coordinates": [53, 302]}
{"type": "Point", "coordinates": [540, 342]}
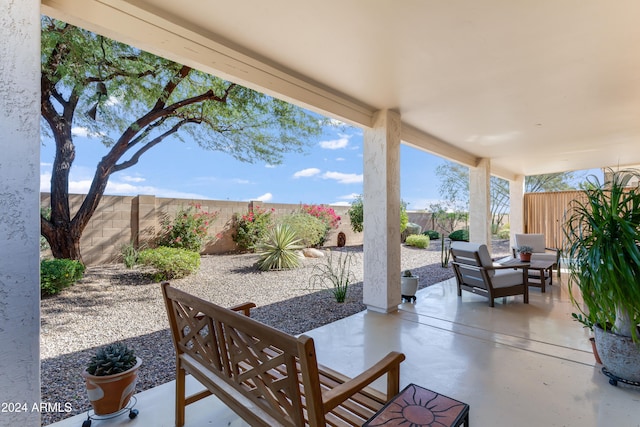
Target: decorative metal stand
{"type": "Point", "coordinates": [129, 408]}
{"type": "Point", "coordinates": [614, 380]}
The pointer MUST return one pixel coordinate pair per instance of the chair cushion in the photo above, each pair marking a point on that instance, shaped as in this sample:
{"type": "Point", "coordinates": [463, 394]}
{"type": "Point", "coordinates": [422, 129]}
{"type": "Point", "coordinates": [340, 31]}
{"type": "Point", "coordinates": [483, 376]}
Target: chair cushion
{"type": "Point", "coordinates": [547, 256]}
{"type": "Point", "coordinates": [505, 278]}
{"type": "Point", "coordinates": [483, 252]}
{"type": "Point", "coordinates": [536, 241]}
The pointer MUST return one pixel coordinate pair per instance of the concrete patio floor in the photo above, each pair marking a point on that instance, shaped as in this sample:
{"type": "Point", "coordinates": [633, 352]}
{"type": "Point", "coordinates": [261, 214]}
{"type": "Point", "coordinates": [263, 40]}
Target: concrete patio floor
{"type": "Point", "coordinates": [514, 364]}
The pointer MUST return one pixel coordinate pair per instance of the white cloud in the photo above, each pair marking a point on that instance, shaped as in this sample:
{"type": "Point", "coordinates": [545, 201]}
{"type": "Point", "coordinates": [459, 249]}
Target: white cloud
{"type": "Point", "coordinates": [340, 204]}
{"type": "Point", "coordinates": [80, 131]}
{"type": "Point", "coordinates": [335, 144]}
{"type": "Point", "coordinates": [85, 132]}
{"type": "Point", "coordinates": [264, 198]}
{"type": "Point", "coordinates": [351, 196]}
{"type": "Point", "coordinates": [336, 122]}
{"type": "Point", "coordinates": [305, 173]}
{"type": "Point", "coordinates": [115, 187]}
{"type": "Point", "coordinates": [240, 181]}
{"type": "Point", "coordinates": [127, 178]}
{"type": "Point", "coordinates": [340, 159]}
{"type": "Point", "coordinates": [344, 178]}
{"type": "Point", "coordinates": [268, 166]}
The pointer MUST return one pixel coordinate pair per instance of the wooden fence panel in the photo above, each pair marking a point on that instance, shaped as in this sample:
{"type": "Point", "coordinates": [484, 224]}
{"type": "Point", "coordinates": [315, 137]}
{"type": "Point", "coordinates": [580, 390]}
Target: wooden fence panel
{"type": "Point", "coordinates": [545, 213]}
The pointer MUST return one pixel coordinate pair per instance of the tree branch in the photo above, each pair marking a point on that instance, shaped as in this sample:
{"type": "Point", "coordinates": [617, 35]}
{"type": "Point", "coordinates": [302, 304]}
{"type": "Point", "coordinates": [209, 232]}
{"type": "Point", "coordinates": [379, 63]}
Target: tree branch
{"type": "Point", "coordinates": [136, 156]}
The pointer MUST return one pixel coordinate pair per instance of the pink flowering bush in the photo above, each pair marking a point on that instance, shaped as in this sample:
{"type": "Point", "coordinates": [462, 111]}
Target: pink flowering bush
{"type": "Point", "coordinates": [323, 213]}
{"type": "Point", "coordinates": [252, 227]}
{"type": "Point", "coordinates": [326, 215]}
{"type": "Point", "coordinates": [189, 229]}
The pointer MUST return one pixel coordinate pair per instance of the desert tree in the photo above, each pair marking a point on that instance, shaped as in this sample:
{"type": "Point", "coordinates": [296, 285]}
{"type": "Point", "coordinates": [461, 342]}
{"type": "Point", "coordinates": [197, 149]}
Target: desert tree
{"type": "Point", "coordinates": [130, 101]}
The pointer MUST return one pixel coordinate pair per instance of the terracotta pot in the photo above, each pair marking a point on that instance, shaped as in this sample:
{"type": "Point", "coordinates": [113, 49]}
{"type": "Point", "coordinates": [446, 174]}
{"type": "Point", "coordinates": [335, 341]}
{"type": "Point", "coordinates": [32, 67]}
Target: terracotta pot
{"type": "Point", "coordinates": [525, 257]}
{"type": "Point", "coordinates": [595, 350]}
{"type": "Point", "coordinates": [110, 393]}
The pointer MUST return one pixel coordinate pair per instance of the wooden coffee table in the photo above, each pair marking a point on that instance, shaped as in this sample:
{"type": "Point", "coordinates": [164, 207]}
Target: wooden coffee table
{"type": "Point", "coordinates": [417, 406]}
{"type": "Point", "coordinates": [540, 272]}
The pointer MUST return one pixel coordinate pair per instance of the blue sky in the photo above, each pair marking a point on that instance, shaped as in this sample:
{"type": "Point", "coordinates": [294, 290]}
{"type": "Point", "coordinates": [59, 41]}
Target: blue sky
{"type": "Point", "coordinates": [329, 173]}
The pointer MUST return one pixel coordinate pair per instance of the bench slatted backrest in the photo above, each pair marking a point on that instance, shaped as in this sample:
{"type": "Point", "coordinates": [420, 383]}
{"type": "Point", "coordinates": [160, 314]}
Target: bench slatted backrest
{"type": "Point", "coordinates": [250, 356]}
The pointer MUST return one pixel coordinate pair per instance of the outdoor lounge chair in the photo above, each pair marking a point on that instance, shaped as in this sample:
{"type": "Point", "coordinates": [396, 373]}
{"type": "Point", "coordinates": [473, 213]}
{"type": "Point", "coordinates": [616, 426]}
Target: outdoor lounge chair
{"type": "Point", "coordinates": [540, 251]}
{"type": "Point", "coordinates": [475, 272]}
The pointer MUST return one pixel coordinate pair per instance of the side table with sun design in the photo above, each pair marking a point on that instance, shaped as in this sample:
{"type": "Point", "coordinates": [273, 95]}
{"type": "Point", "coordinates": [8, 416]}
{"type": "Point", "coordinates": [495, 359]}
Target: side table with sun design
{"type": "Point", "coordinates": [416, 406]}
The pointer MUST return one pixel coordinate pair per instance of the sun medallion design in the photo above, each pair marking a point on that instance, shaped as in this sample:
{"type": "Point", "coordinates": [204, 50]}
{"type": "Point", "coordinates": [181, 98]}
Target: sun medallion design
{"type": "Point", "coordinates": [418, 407]}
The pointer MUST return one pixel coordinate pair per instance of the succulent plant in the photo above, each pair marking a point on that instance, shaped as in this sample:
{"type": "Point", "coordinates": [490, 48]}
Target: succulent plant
{"type": "Point", "coordinates": [525, 249]}
{"type": "Point", "coordinates": [407, 273]}
{"type": "Point", "coordinates": [112, 359]}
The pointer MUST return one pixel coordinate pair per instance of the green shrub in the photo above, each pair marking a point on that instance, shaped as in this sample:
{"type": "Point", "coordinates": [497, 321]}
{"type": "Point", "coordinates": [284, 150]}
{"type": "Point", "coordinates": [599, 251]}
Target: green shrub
{"type": "Point", "coordinates": [356, 215]}
{"type": "Point", "coordinates": [504, 232]}
{"type": "Point", "coordinates": [57, 274]}
{"type": "Point", "coordinates": [129, 255]}
{"type": "Point", "coordinates": [188, 230]}
{"type": "Point", "coordinates": [413, 229]}
{"type": "Point", "coordinates": [418, 240]}
{"type": "Point", "coordinates": [433, 234]}
{"type": "Point", "coordinates": [279, 250]}
{"type": "Point", "coordinates": [327, 215]}
{"type": "Point", "coordinates": [251, 228]}
{"type": "Point", "coordinates": [310, 230]}
{"type": "Point", "coordinates": [170, 263]}
{"type": "Point", "coordinates": [460, 235]}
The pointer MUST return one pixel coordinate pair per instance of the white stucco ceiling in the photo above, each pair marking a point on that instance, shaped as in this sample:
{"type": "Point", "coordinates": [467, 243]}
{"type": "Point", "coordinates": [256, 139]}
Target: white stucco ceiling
{"type": "Point", "coordinates": [537, 86]}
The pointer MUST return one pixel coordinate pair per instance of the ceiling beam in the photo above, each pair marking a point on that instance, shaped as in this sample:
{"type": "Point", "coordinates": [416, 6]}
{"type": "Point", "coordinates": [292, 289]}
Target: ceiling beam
{"type": "Point", "coordinates": [161, 35]}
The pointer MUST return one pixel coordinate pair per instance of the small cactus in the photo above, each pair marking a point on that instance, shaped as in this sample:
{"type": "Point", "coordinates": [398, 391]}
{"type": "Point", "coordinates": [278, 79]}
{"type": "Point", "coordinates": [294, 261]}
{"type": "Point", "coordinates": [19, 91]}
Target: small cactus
{"type": "Point", "coordinates": [112, 359]}
{"type": "Point", "coordinates": [407, 273]}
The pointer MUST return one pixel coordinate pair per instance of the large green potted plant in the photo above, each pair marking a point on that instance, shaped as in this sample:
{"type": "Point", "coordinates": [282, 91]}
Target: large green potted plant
{"type": "Point", "coordinates": [604, 260]}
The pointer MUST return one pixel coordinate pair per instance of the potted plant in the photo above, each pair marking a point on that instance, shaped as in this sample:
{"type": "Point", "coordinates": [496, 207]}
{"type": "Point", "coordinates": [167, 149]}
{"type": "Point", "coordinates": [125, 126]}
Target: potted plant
{"type": "Point", "coordinates": [111, 377]}
{"type": "Point", "coordinates": [525, 253]}
{"type": "Point", "coordinates": [604, 261]}
{"type": "Point", "coordinates": [409, 286]}
{"type": "Point", "coordinates": [588, 323]}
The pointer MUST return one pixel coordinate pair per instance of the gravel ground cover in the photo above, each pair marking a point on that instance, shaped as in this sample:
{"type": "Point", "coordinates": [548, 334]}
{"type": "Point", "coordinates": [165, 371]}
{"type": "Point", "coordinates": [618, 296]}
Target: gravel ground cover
{"type": "Point", "coordinates": [112, 304]}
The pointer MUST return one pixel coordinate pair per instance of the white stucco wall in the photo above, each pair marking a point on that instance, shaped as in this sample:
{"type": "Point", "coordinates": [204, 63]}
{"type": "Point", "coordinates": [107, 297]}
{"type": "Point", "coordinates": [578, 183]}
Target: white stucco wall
{"type": "Point", "coordinates": [19, 210]}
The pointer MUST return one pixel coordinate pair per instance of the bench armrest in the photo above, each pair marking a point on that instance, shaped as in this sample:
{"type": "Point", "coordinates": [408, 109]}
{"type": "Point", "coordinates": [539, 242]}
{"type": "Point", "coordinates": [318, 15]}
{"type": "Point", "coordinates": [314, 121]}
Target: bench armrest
{"type": "Point", "coordinates": [389, 364]}
{"type": "Point", "coordinates": [245, 308]}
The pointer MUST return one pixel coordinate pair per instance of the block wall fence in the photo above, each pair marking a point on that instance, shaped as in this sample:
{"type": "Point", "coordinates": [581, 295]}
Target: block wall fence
{"type": "Point", "coordinates": [120, 220]}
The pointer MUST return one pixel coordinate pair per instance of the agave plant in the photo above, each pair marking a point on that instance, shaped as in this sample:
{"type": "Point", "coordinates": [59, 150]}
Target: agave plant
{"type": "Point", "coordinates": [278, 251]}
{"type": "Point", "coordinates": [112, 359]}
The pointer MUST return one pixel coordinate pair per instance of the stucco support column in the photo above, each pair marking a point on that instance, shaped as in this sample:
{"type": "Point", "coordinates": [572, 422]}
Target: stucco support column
{"type": "Point", "coordinates": [382, 213]}
{"type": "Point", "coordinates": [516, 207]}
{"type": "Point", "coordinates": [480, 203]}
{"type": "Point", "coordinates": [19, 210]}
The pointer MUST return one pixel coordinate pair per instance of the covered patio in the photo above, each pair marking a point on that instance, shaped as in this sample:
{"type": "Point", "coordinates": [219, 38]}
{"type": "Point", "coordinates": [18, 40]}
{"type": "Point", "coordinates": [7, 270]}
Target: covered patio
{"type": "Point", "coordinates": [515, 364]}
{"type": "Point", "coordinates": [506, 88]}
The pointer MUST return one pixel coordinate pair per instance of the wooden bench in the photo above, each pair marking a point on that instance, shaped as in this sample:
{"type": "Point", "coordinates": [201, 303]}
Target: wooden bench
{"type": "Point", "coordinates": [267, 377]}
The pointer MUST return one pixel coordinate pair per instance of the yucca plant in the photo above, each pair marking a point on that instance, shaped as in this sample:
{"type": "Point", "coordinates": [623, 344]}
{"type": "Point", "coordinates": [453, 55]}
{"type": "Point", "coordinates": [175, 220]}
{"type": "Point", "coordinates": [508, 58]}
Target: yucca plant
{"type": "Point", "coordinates": [278, 251]}
{"type": "Point", "coordinates": [602, 235]}
{"type": "Point", "coordinates": [112, 359]}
